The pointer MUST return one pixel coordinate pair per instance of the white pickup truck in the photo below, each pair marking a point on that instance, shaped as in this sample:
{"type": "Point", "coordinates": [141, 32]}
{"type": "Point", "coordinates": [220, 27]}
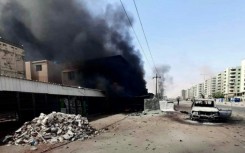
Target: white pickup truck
{"type": "Point", "coordinates": [206, 109]}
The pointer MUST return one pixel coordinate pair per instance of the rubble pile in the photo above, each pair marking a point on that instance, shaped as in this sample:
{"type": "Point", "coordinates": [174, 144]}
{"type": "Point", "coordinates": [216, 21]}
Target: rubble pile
{"type": "Point", "coordinates": [52, 128]}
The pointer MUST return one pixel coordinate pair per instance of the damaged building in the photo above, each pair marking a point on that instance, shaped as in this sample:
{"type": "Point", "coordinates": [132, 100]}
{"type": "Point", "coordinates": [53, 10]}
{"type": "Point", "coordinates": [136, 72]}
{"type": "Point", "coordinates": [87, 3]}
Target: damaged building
{"type": "Point", "coordinates": [90, 43]}
{"type": "Point", "coordinates": [23, 98]}
{"type": "Point", "coordinates": [12, 59]}
{"type": "Point", "coordinates": [122, 83]}
{"type": "Point", "coordinates": [103, 85]}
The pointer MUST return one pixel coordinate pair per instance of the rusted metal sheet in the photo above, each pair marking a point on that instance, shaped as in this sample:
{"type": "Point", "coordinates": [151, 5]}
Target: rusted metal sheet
{"type": "Point", "coordinates": [22, 85]}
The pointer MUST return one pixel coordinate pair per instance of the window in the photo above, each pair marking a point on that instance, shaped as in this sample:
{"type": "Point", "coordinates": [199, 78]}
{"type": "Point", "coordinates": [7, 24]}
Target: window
{"type": "Point", "coordinates": [38, 67]}
{"type": "Point", "coordinates": [71, 75]}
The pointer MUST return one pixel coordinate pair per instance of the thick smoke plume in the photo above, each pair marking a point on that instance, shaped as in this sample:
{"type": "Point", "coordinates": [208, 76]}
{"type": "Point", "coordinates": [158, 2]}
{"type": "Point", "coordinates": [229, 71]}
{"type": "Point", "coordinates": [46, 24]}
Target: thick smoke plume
{"type": "Point", "coordinates": [67, 31]}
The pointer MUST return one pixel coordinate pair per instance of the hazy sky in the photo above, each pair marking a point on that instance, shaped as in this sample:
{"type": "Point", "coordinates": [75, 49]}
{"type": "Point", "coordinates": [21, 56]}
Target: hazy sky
{"type": "Point", "coordinates": [193, 37]}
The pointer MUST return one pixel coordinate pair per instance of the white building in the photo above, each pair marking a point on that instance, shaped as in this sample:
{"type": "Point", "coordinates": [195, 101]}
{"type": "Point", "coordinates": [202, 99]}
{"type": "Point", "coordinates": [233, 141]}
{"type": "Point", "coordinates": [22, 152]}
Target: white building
{"type": "Point", "coordinates": [198, 90]}
{"type": "Point", "coordinates": [190, 93]}
{"type": "Point", "coordinates": [209, 87]}
{"type": "Point", "coordinates": [232, 79]}
{"type": "Point", "coordinates": [242, 80]}
{"type": "Point", "coordinates": [213, 86]}
{"type": "Point", "coordinates": [183, 94]}
{"type": "Point", "coordinates": [219, 83]}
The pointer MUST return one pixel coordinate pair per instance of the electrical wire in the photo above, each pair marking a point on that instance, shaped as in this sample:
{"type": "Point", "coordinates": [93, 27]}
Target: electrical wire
{"type": "Point", "coordinates": [131, 25]}
{"type": "Point", "coordinates": [145, 36]}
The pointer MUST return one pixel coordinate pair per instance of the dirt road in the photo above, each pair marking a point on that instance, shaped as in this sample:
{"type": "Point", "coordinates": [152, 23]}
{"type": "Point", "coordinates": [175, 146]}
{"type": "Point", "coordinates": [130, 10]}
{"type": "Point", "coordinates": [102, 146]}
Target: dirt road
{"type": "Point", "coordinates": [160, 133]}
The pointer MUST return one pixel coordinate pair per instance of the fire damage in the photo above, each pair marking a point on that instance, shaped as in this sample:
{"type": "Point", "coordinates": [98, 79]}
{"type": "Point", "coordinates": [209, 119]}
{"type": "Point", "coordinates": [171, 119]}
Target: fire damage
{"type": "Point", "coordinates": [98, 45]}
{"type": "Point", "coordinates": [95, 49]}
{"type": "Point", "coordinates": [205, 109]}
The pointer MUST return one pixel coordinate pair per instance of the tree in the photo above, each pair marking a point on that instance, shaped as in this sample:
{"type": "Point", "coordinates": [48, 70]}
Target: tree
{"type": "Point", "coordinates": [218, 95]}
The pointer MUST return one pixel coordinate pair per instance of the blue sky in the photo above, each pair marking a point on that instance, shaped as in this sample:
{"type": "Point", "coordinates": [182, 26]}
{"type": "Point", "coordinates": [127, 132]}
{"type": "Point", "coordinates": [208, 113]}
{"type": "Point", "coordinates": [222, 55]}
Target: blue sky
{"type": "Point", "coordinates": [194, 37]}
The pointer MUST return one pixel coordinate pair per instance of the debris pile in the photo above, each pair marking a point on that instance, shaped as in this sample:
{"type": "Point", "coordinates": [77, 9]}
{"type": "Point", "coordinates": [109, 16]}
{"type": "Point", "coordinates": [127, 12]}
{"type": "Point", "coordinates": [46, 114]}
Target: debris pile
{"type": "Point", "coordinates": [52, 128]}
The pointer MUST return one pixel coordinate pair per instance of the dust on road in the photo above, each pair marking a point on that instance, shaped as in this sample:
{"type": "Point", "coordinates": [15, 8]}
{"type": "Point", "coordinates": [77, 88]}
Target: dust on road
{"type": "Point", "coordinates": [163, 132]}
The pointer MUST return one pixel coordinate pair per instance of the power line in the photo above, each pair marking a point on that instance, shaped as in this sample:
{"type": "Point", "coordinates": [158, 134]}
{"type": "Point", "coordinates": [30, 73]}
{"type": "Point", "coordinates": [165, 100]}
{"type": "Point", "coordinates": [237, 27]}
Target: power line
{"type": "Point", "coordinates": [145, 35]}
{"type": "Point", "coordinates": [131, 25]}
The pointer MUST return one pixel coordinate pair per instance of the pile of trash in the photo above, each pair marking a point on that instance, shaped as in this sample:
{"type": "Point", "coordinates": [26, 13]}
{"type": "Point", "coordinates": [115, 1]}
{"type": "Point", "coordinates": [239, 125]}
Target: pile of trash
{"type": "Point", "coordinates": [52, 128]}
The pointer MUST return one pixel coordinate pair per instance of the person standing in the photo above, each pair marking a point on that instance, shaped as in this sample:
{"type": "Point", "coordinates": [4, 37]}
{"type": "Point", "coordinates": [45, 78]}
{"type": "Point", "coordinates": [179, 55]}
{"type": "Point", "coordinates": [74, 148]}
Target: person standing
{"type": "Point", "coordinates": [178, 100]}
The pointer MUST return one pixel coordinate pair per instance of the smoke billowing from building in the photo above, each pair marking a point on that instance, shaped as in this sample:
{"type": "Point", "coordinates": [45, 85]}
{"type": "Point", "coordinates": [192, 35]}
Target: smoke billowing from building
{"type": "Point", "coordinates": [67, 31]}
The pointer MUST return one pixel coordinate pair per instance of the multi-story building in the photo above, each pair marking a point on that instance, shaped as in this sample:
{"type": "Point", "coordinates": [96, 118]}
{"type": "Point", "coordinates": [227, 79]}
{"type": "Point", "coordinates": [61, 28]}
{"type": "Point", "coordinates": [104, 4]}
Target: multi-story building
{"type": "Point", "coordinates": [190, 93]}
{"type": "Point", "coordinates": [11, 59]}
{"type": "Point", "coordinates": [200, 90]}
{"type": "Point", "coordinates": [44, 70]}
{"type": "Point", "coordinates": [183, 94]}
{"type": "Point", "coordinates": [230, 83]}
{"type": "Point", "coordinates": [209, 87]}
{"type": "Point", "coordinates": [220, 82]}
{"type": "Point", "coordinates": [232, 79]}
{"type": "Point", "coordinates": [194, 89]}
{"type": "Point", "coordinates": [242, 80]}
{"type": "Point", "coordinates": [213, 86]}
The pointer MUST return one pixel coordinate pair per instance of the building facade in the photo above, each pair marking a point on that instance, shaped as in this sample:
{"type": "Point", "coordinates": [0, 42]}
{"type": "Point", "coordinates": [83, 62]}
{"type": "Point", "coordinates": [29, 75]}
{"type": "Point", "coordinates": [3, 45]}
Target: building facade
{"type": "Point", "coordinates": [220, 82]}
{"type": "Point", "coordinates": [230, 83]}
{"type": "Point", "coordinates": [71, 77]}
{"type": "Point", "coordinates": [183, 94]}
{"type": "Point", "coordinates": [43, 70]}
{"type": "Point", "coordinates": [242, 80]}
{"type": "Point", "coordinates": [232, 80]}
{"type": "Point", "coordinates": [11, 59]}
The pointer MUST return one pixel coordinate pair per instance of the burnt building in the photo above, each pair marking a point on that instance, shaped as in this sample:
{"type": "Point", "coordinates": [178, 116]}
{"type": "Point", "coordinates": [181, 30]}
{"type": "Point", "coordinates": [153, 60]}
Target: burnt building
{"type": "Point", "coordinates": [123, 84]}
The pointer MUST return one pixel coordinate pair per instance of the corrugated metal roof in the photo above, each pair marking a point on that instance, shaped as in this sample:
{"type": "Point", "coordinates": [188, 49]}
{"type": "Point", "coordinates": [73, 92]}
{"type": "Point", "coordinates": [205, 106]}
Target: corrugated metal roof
{"type": "Point", "coordinates": [23, 85]}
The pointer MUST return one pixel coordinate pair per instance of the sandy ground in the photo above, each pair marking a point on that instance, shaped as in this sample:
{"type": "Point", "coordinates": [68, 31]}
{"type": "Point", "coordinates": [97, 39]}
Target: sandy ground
{"type": "Point", "coordinates": [160, 133]}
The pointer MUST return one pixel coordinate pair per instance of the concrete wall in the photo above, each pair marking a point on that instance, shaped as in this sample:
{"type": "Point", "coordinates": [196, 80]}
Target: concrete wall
{"type": "Point", "coordinates": [11, 60]}
{"type": "Point", "coordinates": [151, 104]}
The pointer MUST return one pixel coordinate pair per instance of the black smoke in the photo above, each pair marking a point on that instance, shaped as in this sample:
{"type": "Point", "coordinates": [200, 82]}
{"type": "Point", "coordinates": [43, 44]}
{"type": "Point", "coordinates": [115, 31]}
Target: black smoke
{"type": "Point", "coordinates": [67, 31]}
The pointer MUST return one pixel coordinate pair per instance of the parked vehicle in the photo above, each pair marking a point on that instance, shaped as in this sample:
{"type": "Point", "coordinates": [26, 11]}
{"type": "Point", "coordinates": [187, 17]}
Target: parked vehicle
{"type": "Point", "coordinates": [205, 109]}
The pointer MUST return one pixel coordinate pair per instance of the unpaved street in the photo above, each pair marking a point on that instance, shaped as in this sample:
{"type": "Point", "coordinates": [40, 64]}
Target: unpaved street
{"type": "Point", "coordinates": [160, 133]}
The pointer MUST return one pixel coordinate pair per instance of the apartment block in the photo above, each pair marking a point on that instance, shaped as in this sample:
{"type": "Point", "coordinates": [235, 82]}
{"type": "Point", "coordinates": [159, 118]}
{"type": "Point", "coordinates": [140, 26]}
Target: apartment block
{"type": "Point", "coordinates": [190, 93]}
{"type": "Point", "coordinates": [220, 82]}
{"type": "Point", "coordinates": [183, 94]}
{"type": "Point", "coordinates": [242, 80]}
{"type": "Point", "coordinates": [213, 86]}
{"type": "Point", "coordinates": [232, 80]}
{"type": "Point", "coordinates": [11, 59]}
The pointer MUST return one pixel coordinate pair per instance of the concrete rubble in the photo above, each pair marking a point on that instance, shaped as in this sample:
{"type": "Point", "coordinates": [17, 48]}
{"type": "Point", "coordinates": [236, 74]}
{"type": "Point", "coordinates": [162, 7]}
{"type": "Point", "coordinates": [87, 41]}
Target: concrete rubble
{"type": "Point", "coordinates": [52, 128]}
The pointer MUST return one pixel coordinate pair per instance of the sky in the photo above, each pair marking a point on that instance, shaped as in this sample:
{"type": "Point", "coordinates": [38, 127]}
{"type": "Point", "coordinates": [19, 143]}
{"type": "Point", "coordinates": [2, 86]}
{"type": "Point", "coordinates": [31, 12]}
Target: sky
{"type": "Point", "coordinates": [193, 37]}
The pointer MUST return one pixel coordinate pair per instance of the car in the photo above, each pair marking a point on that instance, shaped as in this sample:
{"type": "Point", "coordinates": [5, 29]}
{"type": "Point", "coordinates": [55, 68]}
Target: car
{"type": "Point", "coordinates": [205, 109]}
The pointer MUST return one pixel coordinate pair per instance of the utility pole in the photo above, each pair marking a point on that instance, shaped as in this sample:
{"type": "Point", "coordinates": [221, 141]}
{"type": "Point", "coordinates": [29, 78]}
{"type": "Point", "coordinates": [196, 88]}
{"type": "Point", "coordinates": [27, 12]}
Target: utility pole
{"type": "Point", "coordinates": [156, 77]}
